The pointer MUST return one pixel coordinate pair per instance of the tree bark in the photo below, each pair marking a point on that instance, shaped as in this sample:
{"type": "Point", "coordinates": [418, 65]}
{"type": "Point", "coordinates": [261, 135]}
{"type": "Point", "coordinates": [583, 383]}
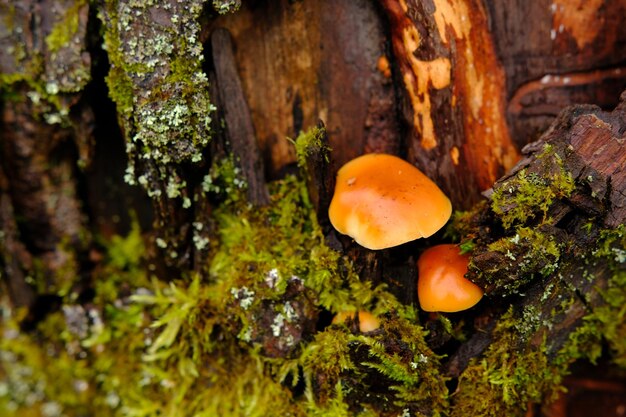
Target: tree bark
{"type": "Point", "coordinates": [115, 107]}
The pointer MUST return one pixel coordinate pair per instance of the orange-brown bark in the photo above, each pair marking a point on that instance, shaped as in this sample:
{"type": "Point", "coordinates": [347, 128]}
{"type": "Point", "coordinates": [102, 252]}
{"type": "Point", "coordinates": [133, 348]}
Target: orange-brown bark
{"type": "Point", "coordinates": [455, 90]}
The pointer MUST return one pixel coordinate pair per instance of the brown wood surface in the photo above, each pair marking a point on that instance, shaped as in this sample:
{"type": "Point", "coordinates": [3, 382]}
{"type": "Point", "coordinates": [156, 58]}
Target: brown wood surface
{"type": "Point", "coordinates": [304, 61]}
{"type": "Point", "coordinates": [557, 53]}
{"type": "Point", "coordinates": [237, 118]}
{"type": "Point", "coordinates": [454, 89]}
{"type": "Point", "coordinates": [505, 77]}
{"type": "Point", "coordinates": [41, 145]}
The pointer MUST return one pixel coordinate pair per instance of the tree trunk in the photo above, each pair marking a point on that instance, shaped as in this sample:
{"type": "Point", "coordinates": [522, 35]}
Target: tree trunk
{"type": "Point", "coordinates": [165, 176]}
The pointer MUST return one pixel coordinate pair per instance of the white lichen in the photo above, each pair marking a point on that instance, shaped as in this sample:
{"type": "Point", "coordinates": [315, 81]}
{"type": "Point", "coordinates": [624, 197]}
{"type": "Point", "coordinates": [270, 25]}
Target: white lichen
{"type": "Point", "coordinates": [272, 277]}
{"type": "Point", "coordinates": [620, 255]}
{"type": "Point", "coordinates": [278, 324]}
{"type": "Point", "coordinates": [244, 295]}
{"type": "Point", "coordinates": [289, 312]}
{"type": "Point", "coordinates": [200, 242]}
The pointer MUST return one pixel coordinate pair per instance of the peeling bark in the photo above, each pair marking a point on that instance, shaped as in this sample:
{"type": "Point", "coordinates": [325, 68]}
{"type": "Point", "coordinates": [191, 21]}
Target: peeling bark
{"type": "Point", "coordinates": [455, 93]}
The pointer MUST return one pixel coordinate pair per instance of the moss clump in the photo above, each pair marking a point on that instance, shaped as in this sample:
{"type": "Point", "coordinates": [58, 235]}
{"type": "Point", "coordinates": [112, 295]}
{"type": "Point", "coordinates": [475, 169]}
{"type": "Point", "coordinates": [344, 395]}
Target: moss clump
{"type": "Point", "coordinates": [224, 181]}
{"type": "Point", "coordinates": [609, 319]}
{"type": "Point", "coordinates": [528, 195]}
{"type": "Point", "coordinates": [78, 359]}
{"type": "Point", "coordinates": [385, 371]}
{"type": "Point", "coordinates": [514, 372]}
{"type": "Point", "coordinates": [226, 6]}
{"type": "Point", "coordinates": [528, 254]}
{"type": "Point", "coordinates": [236, 340]}
{"type": "Point", "coordinates": [311, 142]}
{"type": "Point", "coordinates": [505, 381]}
{"type": "Point", "coordinates": [612, 246]}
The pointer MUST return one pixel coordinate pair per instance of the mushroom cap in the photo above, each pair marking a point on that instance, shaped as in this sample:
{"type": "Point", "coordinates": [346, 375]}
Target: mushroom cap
{"type": "Point", "coordinates": [383, 201]}
{"type": "Point", "coordinates": [441, 285]}
{"type": "Point", "coordinates": [367, 321]}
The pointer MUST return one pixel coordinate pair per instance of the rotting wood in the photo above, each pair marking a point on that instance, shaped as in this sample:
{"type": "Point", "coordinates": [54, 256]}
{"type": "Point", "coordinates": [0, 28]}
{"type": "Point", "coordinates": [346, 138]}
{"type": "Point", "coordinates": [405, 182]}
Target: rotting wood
{"type": "Point", "coordinates": [239, 126]}
{"type": "Point", "coordinates": [587, 144]}
{"type": "Point", "coordinates": [455, 90]}
{"type": "Point", "coordinates": [15, 260]}
{"type": "Point", "coordinates": [311, 60]}
{"type": "Point", "coordinates": [555, 54]}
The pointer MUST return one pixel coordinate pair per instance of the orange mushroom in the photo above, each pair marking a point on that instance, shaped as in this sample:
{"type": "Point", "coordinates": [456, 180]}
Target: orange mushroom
{"type": "Point", "coordinates": [382, 201]}
{"type": "Point", "coordinates": [383, 66]}
{"type": "Point", "coordinates": [441, 285]}
{"type": "Point", "coordinates": [367, 321]}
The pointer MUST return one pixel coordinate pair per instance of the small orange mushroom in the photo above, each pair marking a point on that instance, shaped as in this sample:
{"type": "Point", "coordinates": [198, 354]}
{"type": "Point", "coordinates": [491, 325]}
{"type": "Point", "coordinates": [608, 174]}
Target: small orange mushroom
{"type": "Point", "coordinates": [382, 201]}
{"type": "Point", "coordinates": [383, 66]}
{"type": "Point", "coordinates": [442, 285]}
{"type": "Point", "coordinates": [367, 321]}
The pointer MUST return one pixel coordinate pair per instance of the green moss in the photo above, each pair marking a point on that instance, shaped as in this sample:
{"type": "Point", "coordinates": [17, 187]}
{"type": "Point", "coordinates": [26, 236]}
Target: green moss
{"type": "Point", "coordinates": [224, 181]}
{"type": "Point", "coordinates": [528, 196]}
{"type": "Point", "coordinates": [513, 373]}
{"type": "Point", "coordinates": [207, 344]}
{"type": "Point", "coordinates": [609, 319]}
{"type": "Point", "coordinates": [67, 27]}
{"type": "Point", "coordinates": [612, 245]}
{"type": "Point", "coordinates": [239, 338]}
{"type": "Point", "coordinates": [120, 90]}
{"type": "Point", "coordinates": [337, 362]}
{"type": "Point", "coordinates": [462, 224]}
{"type": "Point", "coordinates": [329, 355]}
{"type": "Point", "coordinates": [507, 382]}
{"type": "Point", "coordinates": [413, 369]}
{"type": "Point", "coordinates": [40, 377]}
{"type": "Point", "coordinates": [310, 142]}
{"type": "Point", "coordinates": [528, 254]}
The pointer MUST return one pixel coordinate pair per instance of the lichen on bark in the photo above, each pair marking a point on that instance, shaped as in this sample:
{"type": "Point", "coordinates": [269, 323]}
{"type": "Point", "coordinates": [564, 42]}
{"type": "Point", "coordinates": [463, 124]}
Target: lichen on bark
{"type": "Point", "coordinates": [162, 96]}
{"type": "Point", "coordinates": [157, 82]}
{"type": "Point", "coordinates": [51, 68]}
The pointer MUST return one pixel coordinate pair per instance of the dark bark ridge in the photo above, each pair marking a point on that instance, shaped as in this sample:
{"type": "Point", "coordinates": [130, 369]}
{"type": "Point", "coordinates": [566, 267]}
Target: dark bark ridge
{"type": "Point", "coordinates": [240, 130]}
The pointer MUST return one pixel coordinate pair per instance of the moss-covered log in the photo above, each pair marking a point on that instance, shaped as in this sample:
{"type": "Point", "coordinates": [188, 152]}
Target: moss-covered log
{"type": "Point", "coordinates": [549, 251]}
{"type": "Point", "coordinates": [258, 318]}
{"type": "Point", "coordinates": [218, 296]}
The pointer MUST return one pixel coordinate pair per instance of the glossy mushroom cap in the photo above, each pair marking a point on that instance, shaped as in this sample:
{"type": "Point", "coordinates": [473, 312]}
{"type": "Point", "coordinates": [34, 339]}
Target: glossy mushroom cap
{"type": "Point", "coordinates": [441, 285]}
{"type": "Point", "coordinates": [383, 201]}
{"type": "Point", "coordinates": [367, 321]}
